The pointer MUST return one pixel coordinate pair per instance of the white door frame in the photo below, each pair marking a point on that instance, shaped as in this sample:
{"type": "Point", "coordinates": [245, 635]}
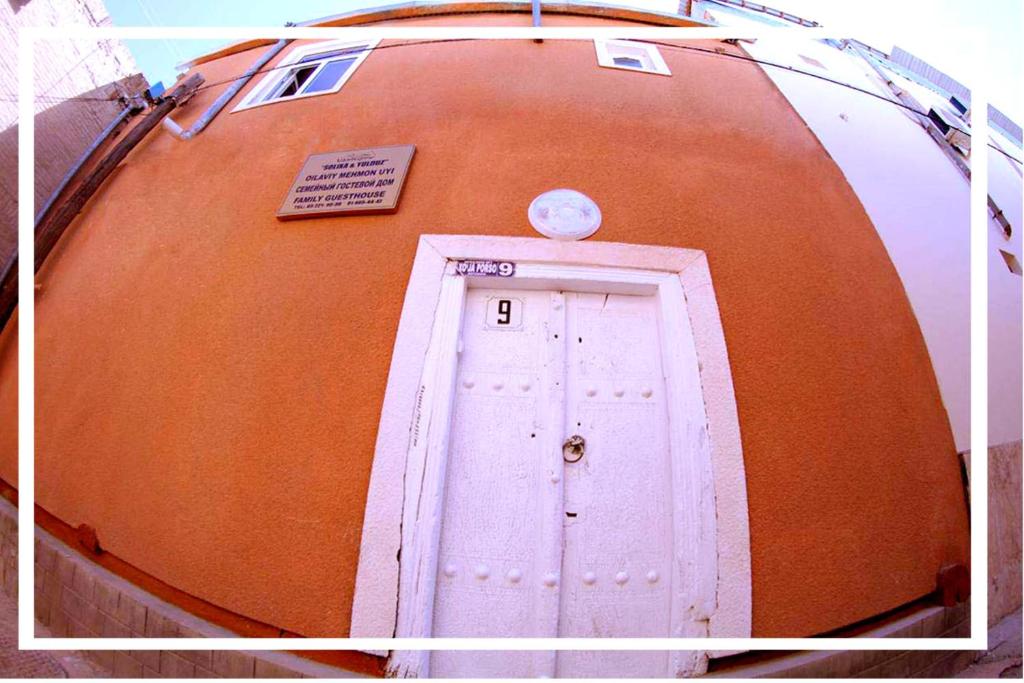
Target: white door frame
{"type": "Point", "coordinates": [398, 553]}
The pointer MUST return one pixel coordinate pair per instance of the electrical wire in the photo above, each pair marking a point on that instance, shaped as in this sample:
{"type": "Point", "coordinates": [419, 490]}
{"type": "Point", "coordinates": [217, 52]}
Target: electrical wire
{"type": "Point", "coordinates": [72, 69]}
{"type": "Point", "coordinates": [269, 69]}
{"type": "Point", "coordinates": [691, 48]}
{"type": "Point", "coordinates": [769, 11]}
{"type": "Point", "coordinates": [793, 69]}
{"type": "Point", "coordinates": [7, 97]}
{"type": "Point", "coordinates": [672, 46]}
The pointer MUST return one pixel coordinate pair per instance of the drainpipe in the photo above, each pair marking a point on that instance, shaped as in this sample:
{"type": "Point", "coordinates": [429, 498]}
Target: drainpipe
{"type": "Point", "coordinates": [182, 134]}
{"type": "Point", "coordinates": [535, 12]}
{"type": "Point", "coordinates": [52, 229]}
{"type": "Point", "coordinates": [131, 110]}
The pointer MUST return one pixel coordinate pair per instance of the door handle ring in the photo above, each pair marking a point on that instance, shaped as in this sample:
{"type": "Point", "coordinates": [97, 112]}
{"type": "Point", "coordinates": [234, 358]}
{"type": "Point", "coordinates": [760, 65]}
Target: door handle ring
{"type": "Point", "coordinates": [573, 448]}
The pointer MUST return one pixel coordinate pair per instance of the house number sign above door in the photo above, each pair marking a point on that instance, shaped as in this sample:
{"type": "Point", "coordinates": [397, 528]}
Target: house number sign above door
{"type": "Point", "coordinates": [486, 268]}
{"type": "Point", "coordinates": [358, 181]}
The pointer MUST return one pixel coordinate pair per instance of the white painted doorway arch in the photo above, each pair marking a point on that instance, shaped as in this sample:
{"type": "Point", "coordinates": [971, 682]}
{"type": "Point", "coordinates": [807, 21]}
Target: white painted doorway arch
{"type": "Point", "coordinates": [709, 567]}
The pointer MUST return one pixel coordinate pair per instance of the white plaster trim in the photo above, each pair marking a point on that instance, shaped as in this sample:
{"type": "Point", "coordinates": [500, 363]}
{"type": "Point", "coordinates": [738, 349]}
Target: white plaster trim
{"type": "Point", "coordinates": [608, 50]}
{"type": "Point", "coordinates": [418, 392]}
{"type": "Point", "coordinates": [375, 604]}
{"type": "Point", "coordinates": [734, 608]}
{"type": "Point", "coordinates": [426, 466]}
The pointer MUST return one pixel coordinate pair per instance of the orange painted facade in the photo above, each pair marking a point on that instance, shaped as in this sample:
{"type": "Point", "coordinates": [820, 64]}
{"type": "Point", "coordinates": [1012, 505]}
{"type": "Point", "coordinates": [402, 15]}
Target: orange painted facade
{"type": "Point", "coordinates": [209, 379]}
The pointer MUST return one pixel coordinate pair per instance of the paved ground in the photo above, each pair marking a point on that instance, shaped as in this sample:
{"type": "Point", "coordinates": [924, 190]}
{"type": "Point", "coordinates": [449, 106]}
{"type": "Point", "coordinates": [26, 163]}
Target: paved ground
{"type": "Point", "coordinates": [1003, 659]}
{"type": "Point", "coordinates": [15, 663]}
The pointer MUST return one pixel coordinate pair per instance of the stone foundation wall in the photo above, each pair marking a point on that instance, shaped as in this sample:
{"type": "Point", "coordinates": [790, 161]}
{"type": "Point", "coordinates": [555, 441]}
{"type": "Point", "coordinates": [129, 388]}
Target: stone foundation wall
{"type": "Point", "coordinates": [926, 622]}
{"type": "Point", "coordinates": [1004, 530]}
{"type": "Point", "coordinates": [76, 598]}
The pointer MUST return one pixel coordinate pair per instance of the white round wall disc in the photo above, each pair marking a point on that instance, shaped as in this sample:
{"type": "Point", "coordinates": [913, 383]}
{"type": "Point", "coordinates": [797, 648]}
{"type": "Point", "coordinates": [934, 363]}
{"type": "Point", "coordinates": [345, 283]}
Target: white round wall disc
{"type": "Point", "coordinates": [564, 215]}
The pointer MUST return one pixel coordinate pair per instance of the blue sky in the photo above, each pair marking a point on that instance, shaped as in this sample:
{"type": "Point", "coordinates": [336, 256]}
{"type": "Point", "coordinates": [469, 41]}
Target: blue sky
{"type": "Point", "coordinates": [931, 29]}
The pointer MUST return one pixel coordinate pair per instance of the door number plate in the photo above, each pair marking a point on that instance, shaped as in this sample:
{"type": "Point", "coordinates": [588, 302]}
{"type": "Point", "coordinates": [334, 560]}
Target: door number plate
{"type": "Point", "coordinates": [504, 313]}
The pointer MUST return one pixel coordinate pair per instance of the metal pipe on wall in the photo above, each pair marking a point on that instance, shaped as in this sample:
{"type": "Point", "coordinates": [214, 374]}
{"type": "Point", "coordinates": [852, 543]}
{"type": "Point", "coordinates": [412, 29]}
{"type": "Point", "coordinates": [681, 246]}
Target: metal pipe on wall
{"type": "Point", "coordinates": [187, 134]}
{"type": "Point", "coordinates": [50, 231]}
{"type": "Point", "coordinates": [134, 108]}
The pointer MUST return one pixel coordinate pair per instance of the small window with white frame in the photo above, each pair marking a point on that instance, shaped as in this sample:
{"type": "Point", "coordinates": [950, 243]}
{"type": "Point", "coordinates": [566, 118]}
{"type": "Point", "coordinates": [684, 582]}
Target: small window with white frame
{"type": "Point", "coordinates": [630, 55]}
{"type": "Point", "coordinates": [316, 69]}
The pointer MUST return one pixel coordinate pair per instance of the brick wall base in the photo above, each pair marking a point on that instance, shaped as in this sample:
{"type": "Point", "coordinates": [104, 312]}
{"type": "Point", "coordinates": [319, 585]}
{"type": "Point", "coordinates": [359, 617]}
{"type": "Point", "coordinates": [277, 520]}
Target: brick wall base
{"type": "Point", "coordinates": [924, 622]}
{"type": "Point", "coordinates": [75, 598]}
{"type": "Point", "coordinates": [1004, 530]}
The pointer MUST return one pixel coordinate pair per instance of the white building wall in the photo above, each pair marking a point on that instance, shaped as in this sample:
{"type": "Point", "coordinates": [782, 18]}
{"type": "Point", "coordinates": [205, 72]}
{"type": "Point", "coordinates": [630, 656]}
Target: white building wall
{"type": "Point", "coordinates": [919, 202]}
{"type": "Point", "coordinates": [1005, 349]}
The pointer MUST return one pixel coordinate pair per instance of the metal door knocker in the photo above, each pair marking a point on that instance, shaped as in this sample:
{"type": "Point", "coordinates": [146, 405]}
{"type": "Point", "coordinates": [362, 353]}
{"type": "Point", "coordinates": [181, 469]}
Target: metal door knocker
{"type": "Point", "coordinates": [572, 449]}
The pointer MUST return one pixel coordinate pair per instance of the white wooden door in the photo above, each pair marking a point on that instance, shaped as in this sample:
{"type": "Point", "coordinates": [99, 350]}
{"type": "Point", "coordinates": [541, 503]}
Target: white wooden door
{"type": "Point", "coordinates": [500, 545]}
{"type": "Point", "coordinates": [616, 567]}
{"type": "Point", "coordinates": [532, 545]}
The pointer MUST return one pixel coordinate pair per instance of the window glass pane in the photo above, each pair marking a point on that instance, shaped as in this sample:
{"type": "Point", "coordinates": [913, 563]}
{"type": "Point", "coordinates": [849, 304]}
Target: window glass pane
{"type": "Point", "coordinates": [352, 50]}
{"type": "Point", "coordinates": [628, 61]}
{"type": "Point", "coordinates": [329, 75]}
{"type": "Point", "coordinates": [293, 82]}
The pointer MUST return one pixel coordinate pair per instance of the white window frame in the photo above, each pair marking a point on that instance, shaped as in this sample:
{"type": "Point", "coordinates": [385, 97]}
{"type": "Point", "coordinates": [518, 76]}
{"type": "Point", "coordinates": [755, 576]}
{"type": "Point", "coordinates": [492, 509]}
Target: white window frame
{"type": "Point", "coordinates": [608, 50]}
{"type": "Point", "coordinates": [280, 72]}
{"type": "Point", "coordinates": [394, 598]}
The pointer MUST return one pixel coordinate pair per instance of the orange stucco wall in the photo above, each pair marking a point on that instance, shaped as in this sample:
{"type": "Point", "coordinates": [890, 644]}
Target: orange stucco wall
{"type": "Point", "coordinates": [209, 379]}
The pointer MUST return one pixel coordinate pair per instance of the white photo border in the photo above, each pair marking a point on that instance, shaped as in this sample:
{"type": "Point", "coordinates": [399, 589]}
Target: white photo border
{"type": "Point", "coordinates": [27, 640]}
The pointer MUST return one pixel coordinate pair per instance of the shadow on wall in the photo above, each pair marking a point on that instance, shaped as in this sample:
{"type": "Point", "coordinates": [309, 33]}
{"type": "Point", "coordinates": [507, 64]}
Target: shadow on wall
{"type": "Point", "coordinates": [63, 132]}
